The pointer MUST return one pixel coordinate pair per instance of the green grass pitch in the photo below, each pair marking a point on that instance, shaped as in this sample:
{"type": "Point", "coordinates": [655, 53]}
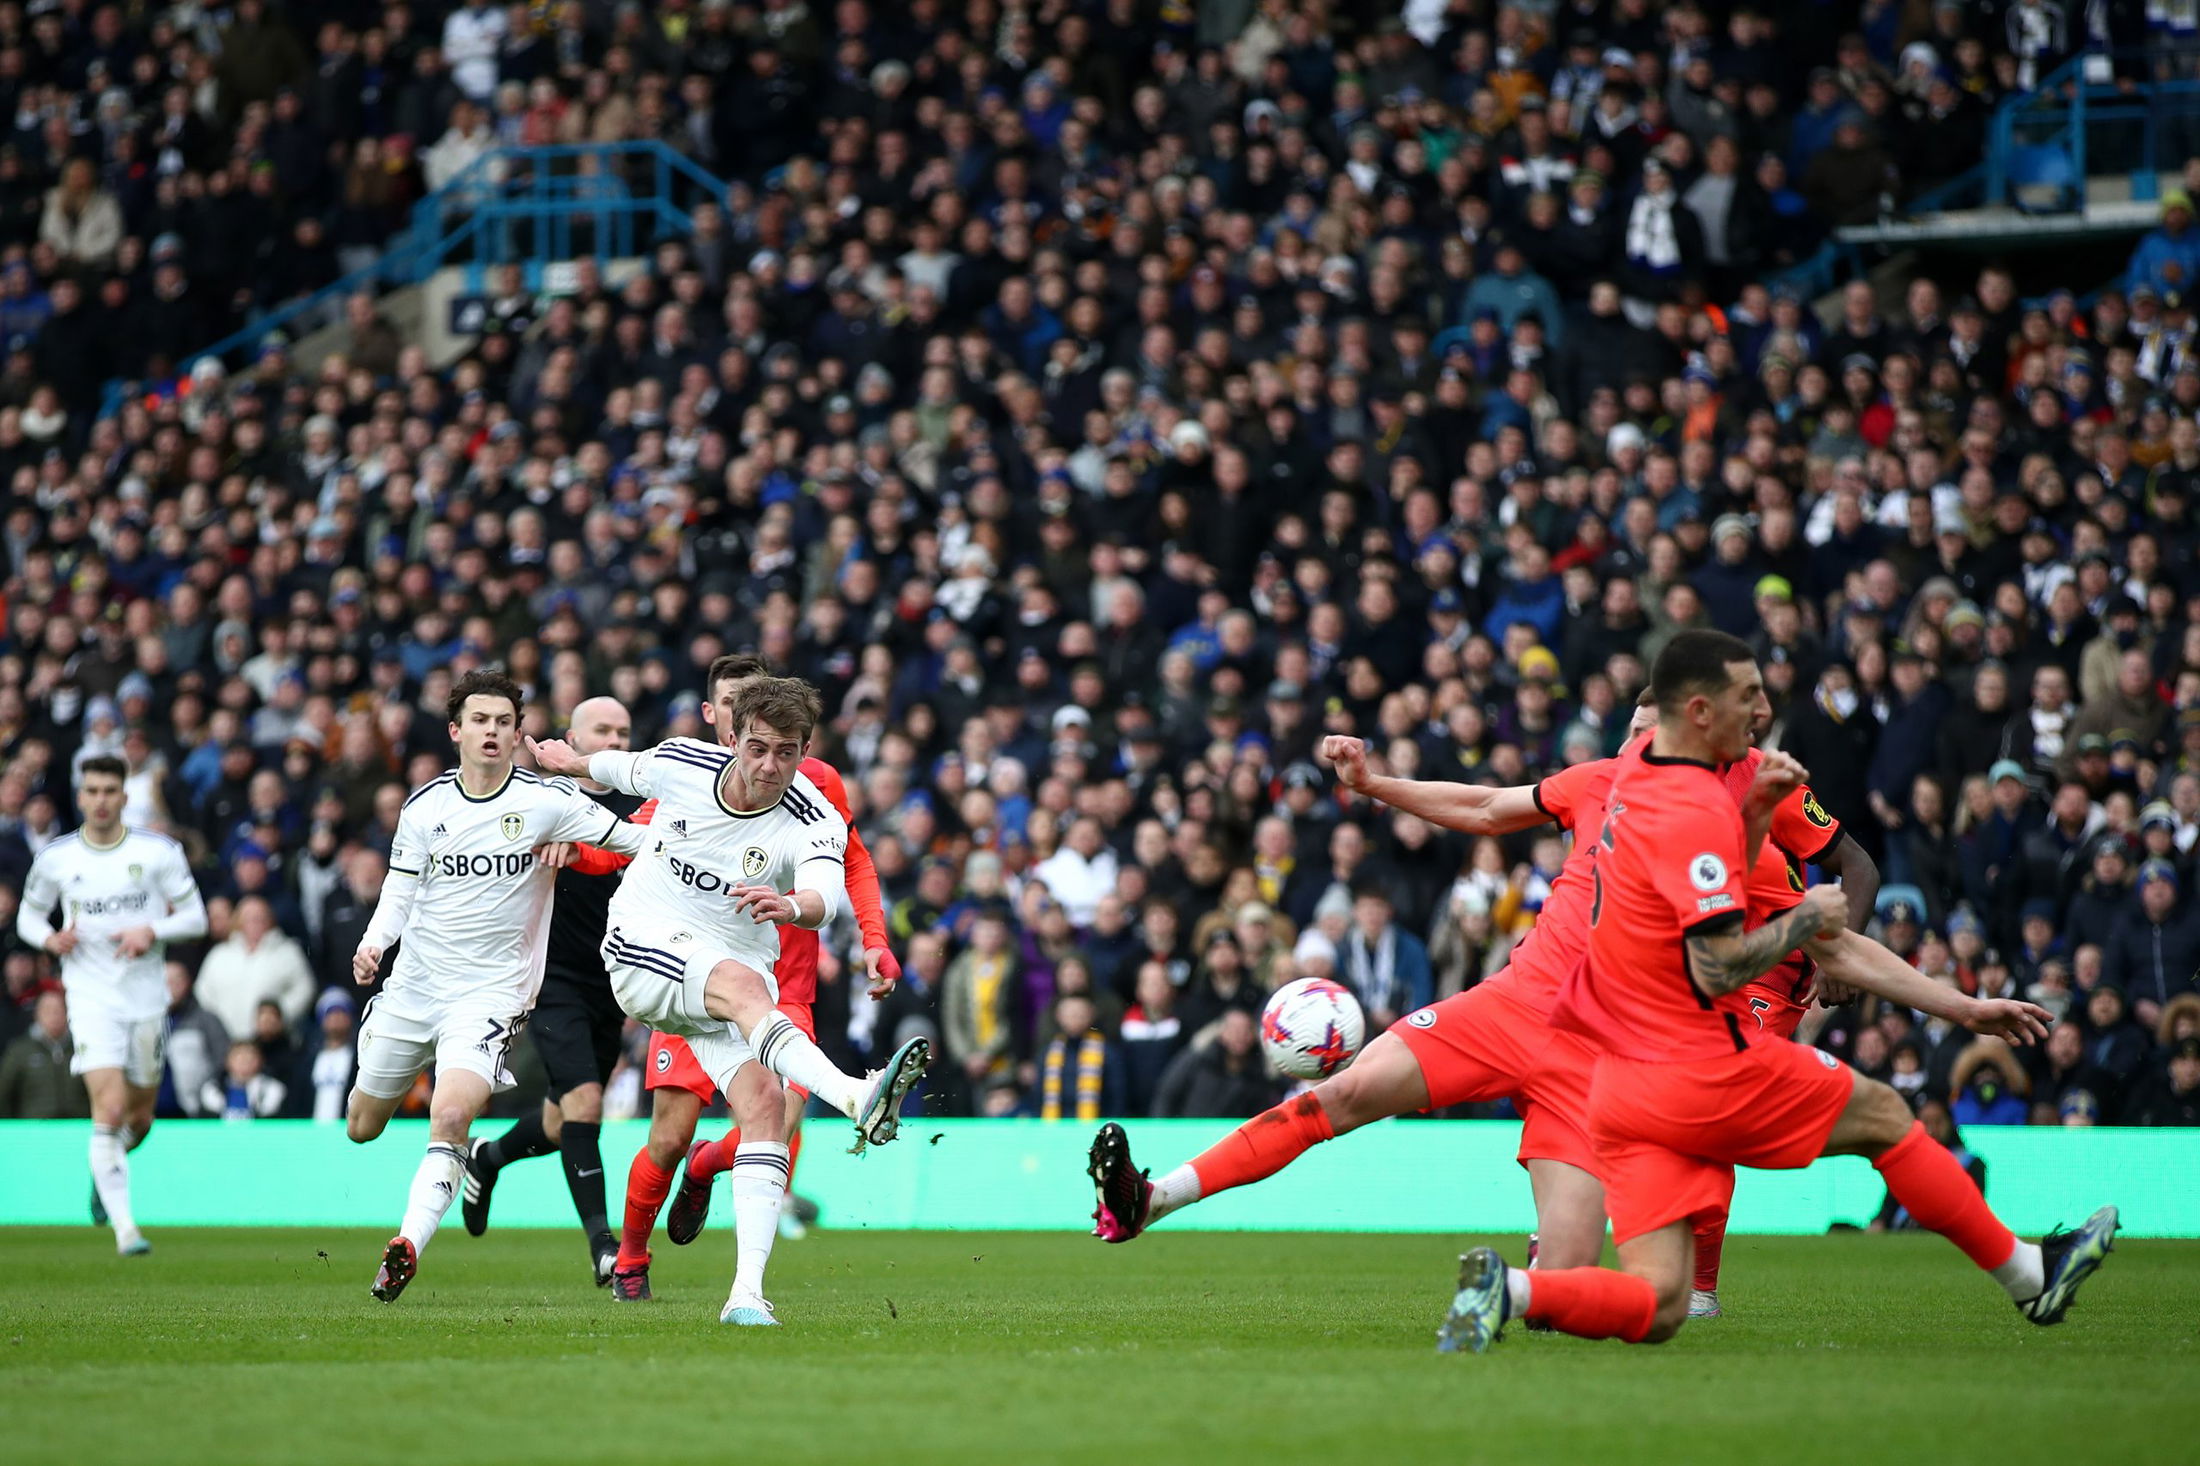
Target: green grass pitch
{"type": "Point", "coordinates": [246, 1346]}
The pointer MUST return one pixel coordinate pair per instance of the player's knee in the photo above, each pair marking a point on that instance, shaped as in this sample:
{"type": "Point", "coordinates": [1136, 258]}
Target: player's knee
{"type": "Point", "coordinates": [582, 1106]}
{"type": "Point", "coordinates": [449, 1122]}
{"type": "Point", "coordinates": [1886, 1115]}
{"type": "Point", "coordinates": [361, 1128]}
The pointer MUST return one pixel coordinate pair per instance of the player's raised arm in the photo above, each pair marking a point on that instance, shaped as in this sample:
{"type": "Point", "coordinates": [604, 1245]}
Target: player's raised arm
{"type": "Point", "coordinates": [1474, 809]}
{"type": "Point", "coordinates": [629, 773]}
{"type": "Point", "coordinates": [1858, 961]}
{"type": "Point", "coordinates": [1721, 961]}
{"type": "Point", "coordinates": [881, 967]}
{"type": "Point", "coordinates": [591, 860]}
{"type": "Point", "coordinates": [582, 821]}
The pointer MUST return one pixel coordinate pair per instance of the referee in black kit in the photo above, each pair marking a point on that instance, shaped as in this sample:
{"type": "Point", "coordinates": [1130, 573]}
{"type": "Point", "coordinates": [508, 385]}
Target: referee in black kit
{"type": "Point", "coordinates": [576, 1025]}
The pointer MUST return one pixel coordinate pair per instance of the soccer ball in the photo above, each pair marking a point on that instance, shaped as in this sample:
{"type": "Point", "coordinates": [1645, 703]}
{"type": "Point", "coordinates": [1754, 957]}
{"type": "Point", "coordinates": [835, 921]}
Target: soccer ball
{"type": "Point", "coordinates": [1311, 1028]}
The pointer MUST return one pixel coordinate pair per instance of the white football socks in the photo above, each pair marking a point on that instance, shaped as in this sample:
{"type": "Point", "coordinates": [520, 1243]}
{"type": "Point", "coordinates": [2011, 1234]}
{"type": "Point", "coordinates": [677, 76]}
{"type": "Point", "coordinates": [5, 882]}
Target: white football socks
{"type": "Point", "coordinates": [434, 1187]}
{"type": "Point", "coordinates": [2024, 1276]}
{"type": "Point", "coordinates": [1519, 1286]}
{"type": "Point", "coordinates": [760, 1172]}
{"type": "Point", "coordinates": [111, 1178]}
{"type": "Point", "coordinates": [783, 1048]}
{"type": "Point", "coordinates": [1179, 1188]}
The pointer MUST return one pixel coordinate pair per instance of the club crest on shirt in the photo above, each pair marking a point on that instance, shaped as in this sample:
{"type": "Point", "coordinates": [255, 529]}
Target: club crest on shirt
{"type": "Point", "coordinates": [753, 861]}
{"type": "Point", "coordinates": [137, 872]}
{"type": "Point", "coordinates": [1707, 872]}
{"type": "Point", "coordinates": [513, 826]}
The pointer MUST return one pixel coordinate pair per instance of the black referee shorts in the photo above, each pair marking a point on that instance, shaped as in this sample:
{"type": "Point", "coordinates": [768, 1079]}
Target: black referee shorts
{"type": "Point", "coordinates": [576, 1027]}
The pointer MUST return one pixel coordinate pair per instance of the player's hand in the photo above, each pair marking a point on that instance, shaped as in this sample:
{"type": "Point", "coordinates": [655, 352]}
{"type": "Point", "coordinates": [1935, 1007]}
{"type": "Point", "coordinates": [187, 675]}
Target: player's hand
{"type": "Point", "coordinates": [763, 903]}
{"type": "Point", "coordinates": [1777, 777]}
{"type": "Point", "coordinates": [366, 965]}
{"type": "Point", "coordinates": [62, 942]}
{"type": "Point", "coordinates": [556, 756]}
{"type": "Point", "coordinates": [1831, 908]}
{"type": "Point", "coordinates": [134, 941]}
{"type": "Point", "coordinates": [557, 855]}
{"type": "Point", "coordinates": [1829, 993]}
{"type": "Point", "coordinates": [881, 971]}
{"type": "Point", "coordinates": [1348, 756]}
{"type": "Point", "coordinates": [2015, 1023]}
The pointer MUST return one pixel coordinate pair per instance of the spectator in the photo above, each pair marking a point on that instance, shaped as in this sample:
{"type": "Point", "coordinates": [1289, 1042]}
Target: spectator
{"type": "Point", "coordinates": [1223, 1079]}
{"type": "Point", "coordinates": [325, 1074]}
{"type": "Point", "coordinates": [2154, 950]}
{"type": "Point", "coordinates": [2115, 1046]}
{"type": "Point", "coordinates": [1386, 967]}
{"type": "Point", "coordinates": [977, 1002]}
{"type": "Point", "coordinates": [82, 223]}
{"type": "Point", "coordinates": [1989, 1085]}
{"type": "Point", "coordinates": [35, 1079]}
{"type": "Point", "coordinates": [1081, 872]}
{"type": "Point", "coordinates": [2168, 258]}
{"type": "Point", "coordinates": [243, 1092]}
{"type": "Point", "coordinates": [1150, 1037]}
{"type": "Point", "coordinates": [256, 964]}
{"type": "Point", "coordinates": [197, 1043]}
{"type": "Point", "coordinates": [2171, 1097]}
{"type": "Point", "coordinates": [1080, 1068]}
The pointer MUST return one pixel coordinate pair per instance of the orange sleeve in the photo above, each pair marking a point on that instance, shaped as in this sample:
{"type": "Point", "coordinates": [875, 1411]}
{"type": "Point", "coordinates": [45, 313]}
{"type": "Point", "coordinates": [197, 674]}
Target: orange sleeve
{"type": "Point", "coordinates": [1694, 864]}
{"type": "Point", "coordinates": [1564, 795]}
{"type": "Point", "coordinates": [593, 860]}
{"type": "Point", "coordinates": [1804, 828]}
{"type": "Point", "coordinates": [862, 874]}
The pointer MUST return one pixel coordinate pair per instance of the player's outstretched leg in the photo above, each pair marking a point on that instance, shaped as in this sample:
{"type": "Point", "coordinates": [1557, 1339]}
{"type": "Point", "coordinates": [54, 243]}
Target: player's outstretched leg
{"type": "Point", "coordinates": [735, 993]}
{"type": "Point", "coordinates": [1385, 1080]}
{"type": "Point", "coordinates": [2041, 1278]}
{"type": "Point", "coordinates": [1587, 1302]}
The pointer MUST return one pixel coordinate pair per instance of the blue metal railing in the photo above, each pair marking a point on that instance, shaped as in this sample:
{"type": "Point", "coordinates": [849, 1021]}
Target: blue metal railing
{"type": "Point", "coordinates": [560, 201]}
{"type": "Point", "coordinates": [2119, 112]}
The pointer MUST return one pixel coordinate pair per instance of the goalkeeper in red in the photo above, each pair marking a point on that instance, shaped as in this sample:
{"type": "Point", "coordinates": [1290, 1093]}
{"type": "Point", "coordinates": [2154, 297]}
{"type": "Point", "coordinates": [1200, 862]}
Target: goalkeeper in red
{"type": "Point", "coordinates": [1682, 1091]}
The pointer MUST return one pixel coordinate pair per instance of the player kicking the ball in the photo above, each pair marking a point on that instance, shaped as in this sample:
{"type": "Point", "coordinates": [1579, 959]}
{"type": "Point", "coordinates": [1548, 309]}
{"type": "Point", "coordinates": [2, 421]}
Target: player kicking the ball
{"type": "Point", "coordinates": [1494, 1040]}
{"type": "Point", "coordinates": [678, 1087]}
{"type": "Point", "coordinates": [1682, 1092]}
{"type": "Point", "coordinates": [471, 900]}
{"type": "Point", "coordinates": [124, 895]}
{"type": "Point", "coordinates": [741, 844]}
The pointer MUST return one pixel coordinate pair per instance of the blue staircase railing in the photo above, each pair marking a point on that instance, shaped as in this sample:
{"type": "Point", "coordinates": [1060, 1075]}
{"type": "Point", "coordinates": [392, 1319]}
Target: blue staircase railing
{"type": "Point", "coordinates": [2122, 112]}
{"type": "Point", "coordinates": [560, 201]}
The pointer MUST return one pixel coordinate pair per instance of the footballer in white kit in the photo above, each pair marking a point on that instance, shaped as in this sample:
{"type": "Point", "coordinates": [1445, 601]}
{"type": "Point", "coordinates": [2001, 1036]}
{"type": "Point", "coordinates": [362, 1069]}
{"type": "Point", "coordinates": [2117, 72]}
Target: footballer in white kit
{"type": "Point", "coordinates": [471, 899]}
{"type": "Point", "coordinates": [740, 844]}
{"type": "Point", "coordinates": [123, 895]}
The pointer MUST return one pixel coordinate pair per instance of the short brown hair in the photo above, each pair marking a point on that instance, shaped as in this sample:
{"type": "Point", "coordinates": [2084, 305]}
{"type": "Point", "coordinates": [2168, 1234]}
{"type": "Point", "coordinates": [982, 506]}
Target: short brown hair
{"type": "Point", "coordinates": [782, 704]}
{"type": "Point", "coordinates": [1695, 662]}
{"type": "Point", "coordinates": [733, 667]}
{"type": "Point", "coordinates": [484, 684]}
{"type": "Point", "coordinates": [103, 763]}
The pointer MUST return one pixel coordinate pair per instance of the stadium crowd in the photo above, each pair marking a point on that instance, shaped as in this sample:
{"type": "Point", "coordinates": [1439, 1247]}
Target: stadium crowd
{"type": "Point", "coordinates": [1100, 403]}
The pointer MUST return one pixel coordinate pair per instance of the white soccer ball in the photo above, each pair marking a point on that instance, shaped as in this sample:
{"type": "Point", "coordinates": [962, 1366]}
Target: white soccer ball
{"type": "Point", "coordinates": [1312, 1028]}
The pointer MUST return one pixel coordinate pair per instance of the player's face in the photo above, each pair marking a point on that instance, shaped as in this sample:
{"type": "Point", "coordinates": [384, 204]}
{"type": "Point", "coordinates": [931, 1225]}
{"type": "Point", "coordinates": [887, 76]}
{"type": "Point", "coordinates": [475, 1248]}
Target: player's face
{"type": "Point", "coordinates": [768, 759]}
{"type": "Point", "coordinates": [611, 729]}
{"type": "Point", "coordinates": [718, 711]}
{"type": "Point", "coordinates": [100, 797]}
{"type": "Point", "coordinates": [487, 729]}
{"type": "Point", "coordinates": [1737, 710]}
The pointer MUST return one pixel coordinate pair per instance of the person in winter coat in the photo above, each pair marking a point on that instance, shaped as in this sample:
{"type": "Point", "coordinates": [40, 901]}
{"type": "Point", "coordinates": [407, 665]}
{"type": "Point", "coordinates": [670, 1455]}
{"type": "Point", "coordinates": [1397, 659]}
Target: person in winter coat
{"type": "Point", "coordinates": [1225, 1080]}
{"type": "Point", "coordinates": [256, 964]}
{"type": "Point", "coordinates": [2154, 950]}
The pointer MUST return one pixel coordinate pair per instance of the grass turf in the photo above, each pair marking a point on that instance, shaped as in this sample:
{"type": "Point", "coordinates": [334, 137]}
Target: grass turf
{"type": "Point", "coordinates": [245, 1346]}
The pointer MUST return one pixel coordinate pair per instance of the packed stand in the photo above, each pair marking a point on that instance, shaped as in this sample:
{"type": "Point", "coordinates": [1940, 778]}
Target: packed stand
{"type": "Point", "coordinates": [1100, 405]}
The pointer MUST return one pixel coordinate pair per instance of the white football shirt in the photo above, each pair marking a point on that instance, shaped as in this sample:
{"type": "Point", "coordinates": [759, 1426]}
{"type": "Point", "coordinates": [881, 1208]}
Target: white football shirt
{"type": "Point", "coordinates": [135, 882]}
{"type": "Point", "coordinates": [699, 849]}
{"type": "Point", "coordinates": [479, 923]}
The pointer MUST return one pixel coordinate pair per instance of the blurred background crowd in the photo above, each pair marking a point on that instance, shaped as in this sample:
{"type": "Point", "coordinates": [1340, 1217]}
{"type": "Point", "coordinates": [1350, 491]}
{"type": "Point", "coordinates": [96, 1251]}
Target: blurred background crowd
{"type": "Point", "coordinates": [1100, 402]}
